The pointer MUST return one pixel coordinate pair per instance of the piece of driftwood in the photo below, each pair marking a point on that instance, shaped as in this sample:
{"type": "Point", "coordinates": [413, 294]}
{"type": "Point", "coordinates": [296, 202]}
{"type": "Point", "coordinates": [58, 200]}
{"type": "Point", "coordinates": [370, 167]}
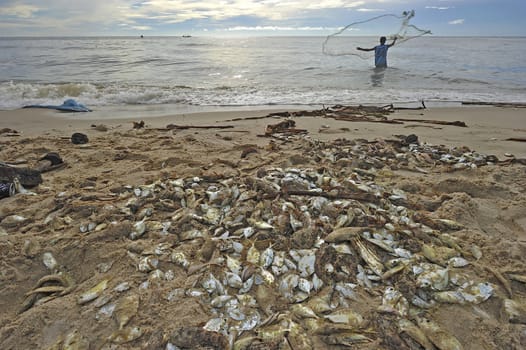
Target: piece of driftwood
{"type": "Point", "coordinates": [518, 139]}
{"type": "Point", "coordinates": [496, 104]}
{"type": "Point", "coordinates": [423, 126]}
{"type": "Point", "coordinates": [429, 121]}
{"type": "Point", "coordinates": [287, 127]}
{"type": "Point", "coordinates": [348, 113]}
{"type": "Point", "coordinates": [372, 114]}
{"type": "Point", "coordinates": [411, 108]}
{"type": "Point", "coordinates": [184, 127]}
{"type": "Point", "coordinates": [27, 177]}
{"type": "Point", "coordinates": [249, 118]}
{"type": "Point", "coordinates": [363, 118]}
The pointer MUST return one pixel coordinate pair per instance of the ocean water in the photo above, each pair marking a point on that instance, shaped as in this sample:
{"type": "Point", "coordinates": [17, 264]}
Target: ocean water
{"type": "Point", "coordinates": [257, 71]}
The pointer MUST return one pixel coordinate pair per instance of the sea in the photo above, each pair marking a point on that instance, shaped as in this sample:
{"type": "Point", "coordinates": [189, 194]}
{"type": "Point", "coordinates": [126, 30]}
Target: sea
{"type": "Point", "coordinates": [256, 72]}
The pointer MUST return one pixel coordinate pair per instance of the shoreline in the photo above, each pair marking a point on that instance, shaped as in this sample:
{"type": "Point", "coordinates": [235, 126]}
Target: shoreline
{"type": "Point", "coordinates": [488, 127]}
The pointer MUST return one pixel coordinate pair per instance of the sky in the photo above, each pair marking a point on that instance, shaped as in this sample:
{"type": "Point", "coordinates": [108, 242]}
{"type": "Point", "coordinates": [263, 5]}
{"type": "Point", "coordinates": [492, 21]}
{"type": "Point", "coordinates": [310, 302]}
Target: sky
{"type": "Point", "coordinates": [251, 17]}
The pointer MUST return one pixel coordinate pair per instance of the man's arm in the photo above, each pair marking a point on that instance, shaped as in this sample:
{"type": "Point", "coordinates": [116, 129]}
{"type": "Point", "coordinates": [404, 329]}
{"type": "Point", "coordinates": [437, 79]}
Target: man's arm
{"type": "Point", "coordinates": [394, 41]}
{"type": "Point", "coordinates": [362, 49]}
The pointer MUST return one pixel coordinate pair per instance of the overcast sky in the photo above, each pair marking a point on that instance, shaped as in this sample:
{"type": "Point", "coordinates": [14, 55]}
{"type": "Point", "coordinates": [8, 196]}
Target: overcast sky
{"type": "Point", "coordinates": [242, 17]}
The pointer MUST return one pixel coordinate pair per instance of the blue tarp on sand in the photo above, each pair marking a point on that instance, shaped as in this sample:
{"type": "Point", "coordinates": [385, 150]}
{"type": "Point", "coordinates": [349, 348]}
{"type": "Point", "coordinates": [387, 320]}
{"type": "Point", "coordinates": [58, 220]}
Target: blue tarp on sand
{"type": "Point", "coordinates": [68, 106]}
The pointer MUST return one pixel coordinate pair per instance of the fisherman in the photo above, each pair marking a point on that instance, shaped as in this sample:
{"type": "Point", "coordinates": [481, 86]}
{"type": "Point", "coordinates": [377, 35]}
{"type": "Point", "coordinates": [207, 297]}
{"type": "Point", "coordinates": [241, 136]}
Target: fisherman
{"type": "Point", "coordinates": [380, 52]}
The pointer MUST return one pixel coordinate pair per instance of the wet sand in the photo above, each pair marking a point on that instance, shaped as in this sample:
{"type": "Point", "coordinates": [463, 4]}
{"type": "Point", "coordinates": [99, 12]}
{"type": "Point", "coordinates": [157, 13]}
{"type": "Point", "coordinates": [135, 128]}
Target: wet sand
{"type": "Point", "coordinates": [83, 214]}
{"type": "Point", "coordinates": [487, 131]}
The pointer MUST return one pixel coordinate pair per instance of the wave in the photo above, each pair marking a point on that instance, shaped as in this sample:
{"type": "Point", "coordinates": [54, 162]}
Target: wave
{"type": "Point", "coordinates": [16, 94]}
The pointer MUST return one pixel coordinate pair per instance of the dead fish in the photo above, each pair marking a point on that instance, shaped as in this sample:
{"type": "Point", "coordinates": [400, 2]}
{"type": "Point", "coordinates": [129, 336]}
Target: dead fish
{"type": "Point", "coordinates": [349, 339]}
{"type": "Point", "coordinates": [93, 293]}
{"type": "Point", "coordinates": [303, 311]}
{"type": "Point", "coordinates": [346, 316]}
{"type": "Point", "coordinates": [415, 333]}
{"type": "Point", "coordinates": [343, 234]}
{"type": "Point", "coordinates": [438, 336]}
{"type": "Point", "coordinates": [369, 257]}
{"type": "Point", "coordinates": [515, 311]}
{"type": "Point", "coordinates": [125, 335]}
{"type": "Point", "coordinates": [125, 309]}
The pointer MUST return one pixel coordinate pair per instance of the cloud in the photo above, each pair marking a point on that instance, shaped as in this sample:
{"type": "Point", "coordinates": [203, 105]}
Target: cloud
{"type": "Point", "coordinates": [457, 21]}
{"type": "Point", "coordinates": [117, 17]}
{"type": "Point", "coordinates": [176, 11]}
{"type": "Point", "coordinates": [20, 11]}
{"type": "Point", "coordinates": [439, 7]}
{"type": "Point", "coordinates": [369, 10]}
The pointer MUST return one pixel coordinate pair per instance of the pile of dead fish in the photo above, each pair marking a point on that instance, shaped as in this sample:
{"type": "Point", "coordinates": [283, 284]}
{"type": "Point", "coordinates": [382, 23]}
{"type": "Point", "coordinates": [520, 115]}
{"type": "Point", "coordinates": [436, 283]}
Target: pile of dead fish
{"type": "Point", "coordinates": [295, 258]}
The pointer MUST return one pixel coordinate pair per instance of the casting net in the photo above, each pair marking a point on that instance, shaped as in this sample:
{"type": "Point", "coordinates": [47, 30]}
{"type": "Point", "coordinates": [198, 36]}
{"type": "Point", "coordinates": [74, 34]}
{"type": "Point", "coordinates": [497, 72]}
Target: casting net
{"type": "Point", "coordinates": [345, 41]}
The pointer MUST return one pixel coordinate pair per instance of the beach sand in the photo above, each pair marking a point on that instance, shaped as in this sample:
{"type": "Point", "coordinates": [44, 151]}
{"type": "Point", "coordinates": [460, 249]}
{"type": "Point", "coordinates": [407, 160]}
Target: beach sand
{"type": "Point", "coordinates": [97, 186]}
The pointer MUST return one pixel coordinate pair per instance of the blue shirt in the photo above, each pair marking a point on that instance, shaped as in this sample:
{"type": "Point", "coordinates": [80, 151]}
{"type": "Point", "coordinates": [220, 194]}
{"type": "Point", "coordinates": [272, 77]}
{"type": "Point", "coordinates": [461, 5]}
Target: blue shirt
{"type": "Point", "coordinates": [380, 55]}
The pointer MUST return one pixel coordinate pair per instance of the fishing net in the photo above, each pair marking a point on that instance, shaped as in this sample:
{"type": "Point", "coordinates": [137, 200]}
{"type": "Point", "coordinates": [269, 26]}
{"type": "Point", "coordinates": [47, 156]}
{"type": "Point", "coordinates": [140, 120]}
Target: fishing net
{"type": "Point", "coordinates": [345, 41]}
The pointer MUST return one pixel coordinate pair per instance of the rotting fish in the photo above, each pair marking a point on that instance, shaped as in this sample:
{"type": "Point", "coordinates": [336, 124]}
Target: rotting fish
{"type": "Point", "coordinates": [93, 293]}
{"type": "Point", "coordinates": [346, 316]}
{"type": "Point", "coordinates": [347, 339]}
{"type": "Point", "coordinates": [125, 335]}
{"type": "Point", "coordinates": [438, 336]}
{"type": "Point", "coordinates": [415, 333]}
{"type": "Point", "coordinates": [515, 311]}
{"type": "Point", "coordinates": [126, 309]}
{"type": "Point", "coordinates": [368, 256]}
{"type": "Point", "coordinates": [343, 234]}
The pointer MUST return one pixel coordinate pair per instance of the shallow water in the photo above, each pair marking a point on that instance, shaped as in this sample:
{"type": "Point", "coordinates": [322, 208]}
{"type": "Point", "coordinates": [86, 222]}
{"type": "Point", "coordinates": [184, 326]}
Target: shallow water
{"type": "Point", "coordinates": [203, 71]}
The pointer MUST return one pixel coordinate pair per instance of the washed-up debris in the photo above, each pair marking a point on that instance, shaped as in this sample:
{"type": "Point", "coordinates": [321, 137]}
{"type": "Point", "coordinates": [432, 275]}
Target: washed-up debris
{"type": "Point", "coordinates": [69, 105]}
{"type": "Point", "coordinates": [372, 114]}
{"type": "Point", "coordinates": [284, 128]}
{"type": "Point", "coordinates": [496, 104]}
{"type": "Point", "coordinates": [14, 179]}
{"type": "Point", "coordinates": [49, 287]}
{"type": "Point", "coordinates": [27, 177]}
{"type": "Point", "coordinates": [9, 132]}
{"type": "Point", "coordinates": [79, 138]}
{"type": "Point", "coordinates": [138, 125]}
{"type": "Point", "coordinates": [428, 121]}
{"type": "Point", "coordinates": [7, 189]}
{"type": "Point", "coordinates": [100, 127]}
{"type": "Point", "coordinates": [185, 127]}
{"type": "Point", "coordinates": [51, 161]}
{"type": "Point", "coordinates": [324, 254]}
{"type": "Point", "coordinates": [289, 256]}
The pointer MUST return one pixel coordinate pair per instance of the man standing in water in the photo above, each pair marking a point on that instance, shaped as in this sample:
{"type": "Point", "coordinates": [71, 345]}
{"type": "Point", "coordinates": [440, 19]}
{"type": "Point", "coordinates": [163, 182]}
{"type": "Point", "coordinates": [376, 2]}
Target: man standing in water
{"type": "Point", "coordinates": [380, 52]}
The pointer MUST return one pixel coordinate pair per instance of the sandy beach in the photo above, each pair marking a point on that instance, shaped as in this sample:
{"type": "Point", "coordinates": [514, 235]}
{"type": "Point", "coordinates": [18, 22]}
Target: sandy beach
{"type": "Point", "coordinates": [136, 238]}
{"type": "Point", "coordinates": [487, 131]}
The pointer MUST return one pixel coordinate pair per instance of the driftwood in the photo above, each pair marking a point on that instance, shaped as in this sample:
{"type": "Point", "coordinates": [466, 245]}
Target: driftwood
{"type": "Point", "coordinates": [363, 118]}
{"type": "Point", "coordinates": [287, 127]}
{"type": "Point", "coordinates": [518, 139]}
{"type": "Point", "coordinates": [428, 121]}
{"type": "Point", "coordinates": [411, 108]}
{"type": "Point", "coordinates": [496, 104]}
{"type": "Point", "coordinates": [248, 118]}
{"type": "Point", "coordinates": [184, 127]}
